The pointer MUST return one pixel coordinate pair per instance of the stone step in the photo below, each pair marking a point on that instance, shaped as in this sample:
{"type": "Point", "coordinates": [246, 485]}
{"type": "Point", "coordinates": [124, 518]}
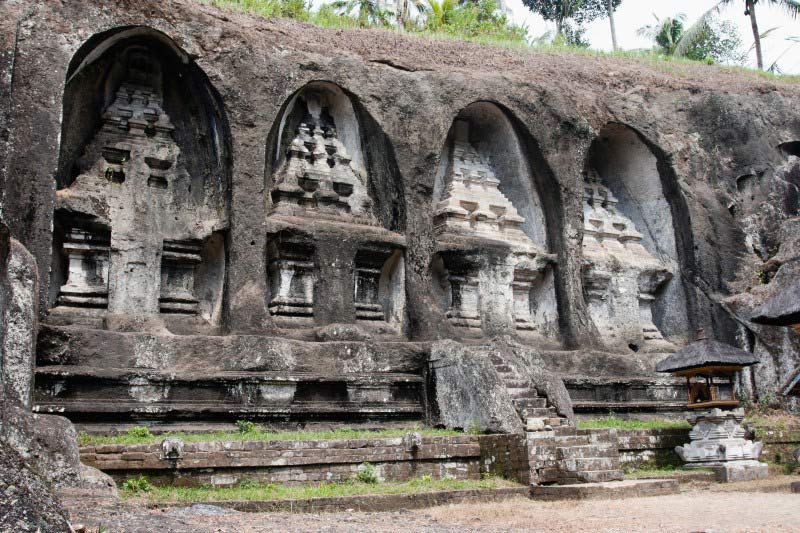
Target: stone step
{"type": "Point", "coordinates": [582, 464]}
{"type": "Point", "coordinates": [515, 383]}
{"type": "Point", "coordinates": [521, 393]}
{"type": "Point", "coordinates": [529, 403]}
{"type": "Point", "coordinates": [606, 490]}
{"type": "Point", "coordinates": [600, 476]}
{"type": "Point", "coordinates": [571, 440]}
{"type": "Point", "coordinates": [587, 451]}
{"type": "Point", "coordinates": [503, 369]}
{"type": "Point", "coordinates": [539, 412]}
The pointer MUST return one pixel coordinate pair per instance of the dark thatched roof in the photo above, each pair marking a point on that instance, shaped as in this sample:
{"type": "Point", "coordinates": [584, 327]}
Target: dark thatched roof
{"type": "Point", "coordinates": [792, 385]}
{"type": "Point", "coordinates": [783, 309]}
{"type": "Point", "coordinates": [706, 352]}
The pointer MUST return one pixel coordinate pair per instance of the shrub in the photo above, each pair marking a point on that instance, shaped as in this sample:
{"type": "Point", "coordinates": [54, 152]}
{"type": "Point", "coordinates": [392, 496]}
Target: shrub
{"type": "Point", "coordinates": [137, 485]}
{"type": "Point", "coordinates": [245, 426]}
{"type": "Point", "coordinates": [139, 432]}
{"type": "Point", "coordinates": [367, 474]}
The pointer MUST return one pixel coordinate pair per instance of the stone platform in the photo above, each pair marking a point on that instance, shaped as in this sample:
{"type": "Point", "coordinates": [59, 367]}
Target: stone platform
{"type": "Point", "coordinates": [606, 490]}
{"type": "Point", "coordinates": [226, 463]}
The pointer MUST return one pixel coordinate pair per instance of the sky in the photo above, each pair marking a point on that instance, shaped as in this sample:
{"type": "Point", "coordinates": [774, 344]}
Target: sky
{"type": "Point", "coordinates": [633, 14]}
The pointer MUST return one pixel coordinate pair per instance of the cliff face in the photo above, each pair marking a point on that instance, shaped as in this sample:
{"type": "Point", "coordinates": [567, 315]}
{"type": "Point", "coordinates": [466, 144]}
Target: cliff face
{"type": "Point", "coordinates": [707, 141]}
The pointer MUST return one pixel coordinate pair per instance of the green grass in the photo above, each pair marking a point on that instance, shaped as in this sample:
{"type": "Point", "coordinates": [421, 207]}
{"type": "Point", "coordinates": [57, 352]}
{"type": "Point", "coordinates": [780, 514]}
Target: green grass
{"type": "Point", "coordinates": [611, 421]}
{"type": "Point", "coordinates": [664, 471]}
{"type": "Point", "coordinates": [270, 491]}
{"type": "Point", "coordinates": [136, 436]}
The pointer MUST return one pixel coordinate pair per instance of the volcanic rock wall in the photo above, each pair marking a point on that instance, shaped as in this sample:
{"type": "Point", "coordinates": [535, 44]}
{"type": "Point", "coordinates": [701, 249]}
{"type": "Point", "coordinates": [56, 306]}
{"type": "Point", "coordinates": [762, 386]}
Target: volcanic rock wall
{"type": "Point", "coordinates": [691, 160]}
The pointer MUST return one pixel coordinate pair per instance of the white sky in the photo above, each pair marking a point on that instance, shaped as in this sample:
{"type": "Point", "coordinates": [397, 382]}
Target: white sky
{"type": "Point", "coordinates": [633, 14]}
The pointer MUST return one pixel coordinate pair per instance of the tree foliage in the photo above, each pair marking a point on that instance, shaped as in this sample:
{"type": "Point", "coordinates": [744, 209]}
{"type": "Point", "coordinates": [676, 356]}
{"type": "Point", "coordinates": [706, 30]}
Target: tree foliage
{"type": "Point", "coordinates": [717, 42]}
{"type": "Point", "coordinates": [577, 11]}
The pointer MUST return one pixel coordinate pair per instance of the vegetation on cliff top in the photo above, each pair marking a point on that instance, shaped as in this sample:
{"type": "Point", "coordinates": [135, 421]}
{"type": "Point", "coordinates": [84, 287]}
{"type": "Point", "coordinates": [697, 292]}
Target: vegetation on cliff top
{"type": "Point", "coordinates": [485, 22]}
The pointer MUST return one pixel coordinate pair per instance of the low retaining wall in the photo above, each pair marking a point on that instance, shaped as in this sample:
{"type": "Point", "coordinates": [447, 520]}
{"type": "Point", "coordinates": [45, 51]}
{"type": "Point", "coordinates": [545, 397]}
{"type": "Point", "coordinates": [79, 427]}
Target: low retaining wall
{"type": "Point", "coordinates": [656, 447]}
{"type": "Point", "coordinates": [372, 503]}
{"type": "Point", "coordinates": [650, 447]}
{"type": "Point", "coordinates": [296, 462]}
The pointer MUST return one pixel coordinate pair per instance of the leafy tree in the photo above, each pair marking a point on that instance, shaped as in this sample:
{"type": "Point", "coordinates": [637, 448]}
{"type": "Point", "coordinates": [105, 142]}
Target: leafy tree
{"type": "Point", "coordinates": [718, 42]}
{"type": "Point", "coordinates": [792, 8]}
{"type": "Point", "coordinates": [578, 11]}
{"type": "Point", "coordinates": [470, 19]}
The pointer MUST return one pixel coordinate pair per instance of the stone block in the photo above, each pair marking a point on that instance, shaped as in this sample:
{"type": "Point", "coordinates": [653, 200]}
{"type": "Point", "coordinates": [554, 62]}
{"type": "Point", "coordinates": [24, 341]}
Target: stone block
{"type": "Point", "coordinates": [732, 471]}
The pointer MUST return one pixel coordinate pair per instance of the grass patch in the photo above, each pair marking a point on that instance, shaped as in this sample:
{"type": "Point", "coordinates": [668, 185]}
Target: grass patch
{"type": "Point", "coordinates": [611, 421]}
{"type": "Point", "coordinates": [661, 471]}
{"type": "Point", "coordinates": [271, 491]}
{"type": "Point", "coordinates": [137, 436]}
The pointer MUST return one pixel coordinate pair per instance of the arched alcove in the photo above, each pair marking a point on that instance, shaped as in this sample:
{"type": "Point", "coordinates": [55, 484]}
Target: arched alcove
{"type": "Point", "coordinates": [356, 179]}
{"type": "Point", "coordinates": [486, 189]}
{"type": "Point", "coordinates": [143, 186]}
{"type": "Point", "coordinates": [328, 161]}
{"type": "Point", "coordinates": [631, 237]}
{"type": "Point", "coordinates": [489, 130]}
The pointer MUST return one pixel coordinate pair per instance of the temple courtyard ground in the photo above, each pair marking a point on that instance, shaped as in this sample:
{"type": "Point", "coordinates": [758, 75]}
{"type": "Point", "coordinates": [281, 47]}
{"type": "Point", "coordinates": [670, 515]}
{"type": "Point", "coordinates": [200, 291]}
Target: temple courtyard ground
{"type": "Point", "coordinates": [765, 505]}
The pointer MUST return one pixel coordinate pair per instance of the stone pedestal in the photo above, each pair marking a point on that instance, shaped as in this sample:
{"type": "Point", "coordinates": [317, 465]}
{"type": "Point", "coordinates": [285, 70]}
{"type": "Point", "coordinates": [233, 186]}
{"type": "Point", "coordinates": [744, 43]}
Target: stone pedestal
{"type": "Point", "coordinates": [717, 442]}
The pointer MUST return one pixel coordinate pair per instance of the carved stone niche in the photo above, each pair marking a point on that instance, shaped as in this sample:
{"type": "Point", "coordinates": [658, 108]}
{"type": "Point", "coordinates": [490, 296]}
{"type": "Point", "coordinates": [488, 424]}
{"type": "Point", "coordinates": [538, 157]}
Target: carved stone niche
{"type": "Point", "coordinates": [87, 255]}
{"type": "Point", "coordinates": [318, 176]}
{"type": "Point", "coordinates": [532, 279]}
{"type": "Point", "coordinates": [291, 277]}
{"type": "Point", "coordinates": [621, 278]}
{"type": "Point", "coordinates": [459, 282]}
{"type": "Point", "coordinates": [473, 213]}
{"type": "Point", "coordinates": [161, 225]}
{"type": "Point", "coordinates": [178, 262]}
{"type": "Point", "coordinates": [379, 284]}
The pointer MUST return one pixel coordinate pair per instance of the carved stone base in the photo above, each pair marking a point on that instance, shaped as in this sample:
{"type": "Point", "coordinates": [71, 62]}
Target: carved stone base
{"type": "Point", "coordinates": [731, 471]}
{"type": "Point", "coordinates": [718, 442]}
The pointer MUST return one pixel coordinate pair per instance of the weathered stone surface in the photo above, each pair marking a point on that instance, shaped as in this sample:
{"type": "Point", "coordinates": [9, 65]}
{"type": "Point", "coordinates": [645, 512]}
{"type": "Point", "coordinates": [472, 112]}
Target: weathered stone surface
{"type": "Point", "coordinates": [26, 502]}
{"type": "Point", "coordinates": [708, 156]}
{"type": "Point", "coordinates": [467, 392]}
{"type": "Point", "coordinates": [20, 323]}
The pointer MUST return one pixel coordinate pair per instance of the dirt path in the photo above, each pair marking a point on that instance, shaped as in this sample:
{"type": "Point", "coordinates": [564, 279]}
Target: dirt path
{"type": "Point", "coordinates": [700, 508]}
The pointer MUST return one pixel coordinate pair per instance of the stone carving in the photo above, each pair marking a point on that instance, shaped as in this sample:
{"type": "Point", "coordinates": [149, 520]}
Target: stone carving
{"type": "Point", "coordinates": [718, 441]}
{"type": "Point", "coordinates": [291, 277]}
{"type": "Point", "coordinates": [87, 279]}
{"type": "Point", "coordinates": [717, 435]}
{"type": "Point", "coordinates": [369, 265]}
{"type": "Point", "coordinates": [620, 276]}
{"type": "Point", "coordinates": [178, 262]}
{"type": "Point", "coordinates": [172, 448]}
{"type": "Point", "coordinates": [134, 220]}
{"type": "Point", "coordinates": [472, 205]}
{"type": "Point", "coordinates": [318, 175]}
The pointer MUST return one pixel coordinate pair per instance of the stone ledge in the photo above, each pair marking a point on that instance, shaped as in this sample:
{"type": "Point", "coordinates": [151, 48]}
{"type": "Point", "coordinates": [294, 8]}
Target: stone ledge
{"type": "Point", "coordinates": [369, 502]}
{"type": "Point", "coordinates": [610, 490]}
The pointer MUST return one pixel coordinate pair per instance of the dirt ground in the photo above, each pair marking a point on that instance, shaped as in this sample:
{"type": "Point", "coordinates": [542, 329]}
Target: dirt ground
{"type": "Point", "coordinates": [755, 506]}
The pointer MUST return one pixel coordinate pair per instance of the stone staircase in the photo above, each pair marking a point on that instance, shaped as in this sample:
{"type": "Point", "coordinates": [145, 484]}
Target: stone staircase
{"type": "Point", "coordinates": [557, 451]}
{"type": "Point", "coordinates": [532, 408]}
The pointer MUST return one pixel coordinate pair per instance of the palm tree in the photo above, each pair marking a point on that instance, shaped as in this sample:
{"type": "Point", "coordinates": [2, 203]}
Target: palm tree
{"type": "Point", "coordinates": [667, 33]}
{"type": "Point", "coordinates": [792, 8]}
{"type": "Point", "coordinates": [610, 7]}
{"type": "Point", "coordinates": [438, 13]}
{"type": "Point", "coordinates": [369, 12]}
